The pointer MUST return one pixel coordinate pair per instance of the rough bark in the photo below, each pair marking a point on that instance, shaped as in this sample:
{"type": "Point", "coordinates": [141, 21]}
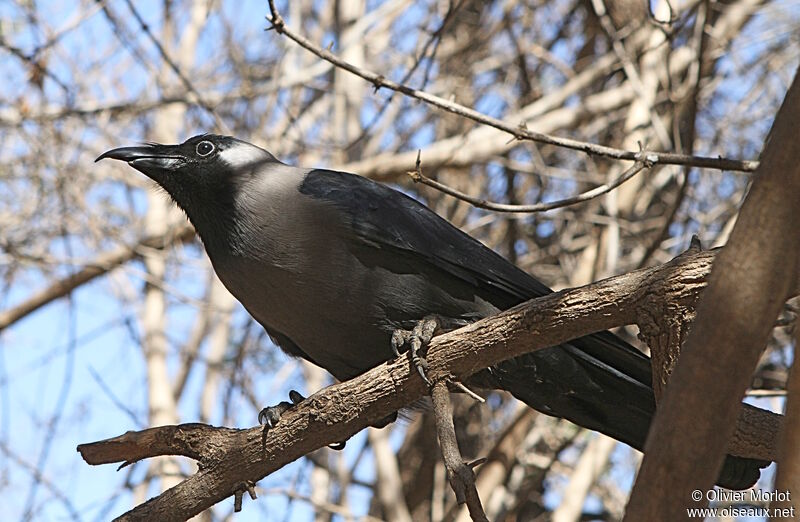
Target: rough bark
{"type": "Point", "coordinates": [752, 277]}
{"type": "Point", "coordinates": [236, 457]}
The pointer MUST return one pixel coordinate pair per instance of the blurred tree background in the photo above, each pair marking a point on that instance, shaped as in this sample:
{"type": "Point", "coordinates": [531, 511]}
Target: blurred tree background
{"type": "Point", "coordinates": [112, 319]}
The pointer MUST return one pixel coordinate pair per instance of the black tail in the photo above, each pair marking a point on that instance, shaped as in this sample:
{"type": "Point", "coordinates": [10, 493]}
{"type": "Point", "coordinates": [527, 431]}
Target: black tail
{"type": "Point", "coordinates": [602, 383]}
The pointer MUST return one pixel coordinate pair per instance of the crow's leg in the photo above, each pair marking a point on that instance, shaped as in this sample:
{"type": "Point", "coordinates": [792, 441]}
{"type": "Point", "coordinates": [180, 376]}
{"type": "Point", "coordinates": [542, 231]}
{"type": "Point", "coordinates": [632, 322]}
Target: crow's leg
{"type": "Point", "coordinates": [416, 341]}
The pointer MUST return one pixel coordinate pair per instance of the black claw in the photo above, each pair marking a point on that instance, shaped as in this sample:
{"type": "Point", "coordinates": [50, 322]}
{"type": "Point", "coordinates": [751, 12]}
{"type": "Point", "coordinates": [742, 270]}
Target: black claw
{"type": "Point", "coordinates": [270, 415]}
{"type": "Point", "coordinates": [419, 362]}
{"type": "Point", "coordinates": [422, 366]}
{"type": "Point", "coordinates": [296, 397]}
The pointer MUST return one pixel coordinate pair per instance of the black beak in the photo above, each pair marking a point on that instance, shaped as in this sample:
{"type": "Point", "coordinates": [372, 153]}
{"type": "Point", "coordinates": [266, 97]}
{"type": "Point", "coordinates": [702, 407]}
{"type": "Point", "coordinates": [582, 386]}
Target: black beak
{"type": "Point", "coordinates": [147, 156]}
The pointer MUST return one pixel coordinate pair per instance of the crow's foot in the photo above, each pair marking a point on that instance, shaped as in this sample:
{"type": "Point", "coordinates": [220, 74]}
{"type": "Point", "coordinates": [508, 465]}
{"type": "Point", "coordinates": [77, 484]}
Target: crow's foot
{"type": "Point", "coordinates": [416, 341]}
{"type": "Point", "coordinates": [270, 416]}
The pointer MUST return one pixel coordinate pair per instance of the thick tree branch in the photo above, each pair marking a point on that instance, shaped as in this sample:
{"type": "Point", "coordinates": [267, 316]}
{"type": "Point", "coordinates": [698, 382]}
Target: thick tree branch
{"type": "Point", "coordinates": [751, 280]}
{"type": "Point", "coordinates": [789, 452]}
{"type": "Point", "coordinates": [338, 412]}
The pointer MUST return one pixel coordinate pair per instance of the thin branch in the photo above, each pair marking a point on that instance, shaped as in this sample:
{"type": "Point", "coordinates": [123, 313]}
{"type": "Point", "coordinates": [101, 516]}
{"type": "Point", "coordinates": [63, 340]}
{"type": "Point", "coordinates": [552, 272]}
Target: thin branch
{"type": "Point", "coordinates": [520, 132]}
{"type": "Point", "coordinates": [462, 387]}
{"type": "Point", "coordinates": [103, 264]}
{"type": "Point", "coordinates": [461, 476]}
{"type": "Point", "coordinates": [174, 66]}
{"type": "Point", "coordinates": [641, 163]}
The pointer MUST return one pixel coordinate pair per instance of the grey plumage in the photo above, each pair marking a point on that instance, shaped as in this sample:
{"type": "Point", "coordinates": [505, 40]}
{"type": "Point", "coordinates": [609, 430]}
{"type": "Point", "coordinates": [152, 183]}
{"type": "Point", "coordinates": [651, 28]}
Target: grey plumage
{"type": "Point", "coordinates": [331, 264]}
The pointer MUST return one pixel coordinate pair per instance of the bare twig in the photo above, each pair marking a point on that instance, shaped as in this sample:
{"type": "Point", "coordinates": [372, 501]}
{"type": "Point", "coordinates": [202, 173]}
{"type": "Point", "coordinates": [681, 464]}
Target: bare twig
{"type": "Point", "coordinates": [201, 102]}
{"type": "Point", "coordinates": [461, 476]}
{"type": "Point", "coordinates": [520, 132]}
{"type": "Point", "coordinates": [103, 264]}
{"type": "Point", "coordinates": [461, 386]}
{"type": "Point", "coordinates": [641, 163]}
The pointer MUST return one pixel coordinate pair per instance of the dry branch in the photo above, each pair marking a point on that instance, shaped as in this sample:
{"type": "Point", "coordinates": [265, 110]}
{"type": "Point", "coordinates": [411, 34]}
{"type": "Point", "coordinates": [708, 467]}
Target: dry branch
{"type": "Point", "coordinates": [460, 475]}
{"type": "Point", "coordinates": [753, 276]}
{"type": "Point", "coordinates": [519, 131]}
{"type": "Point", "coordinates": [789, 453]}
{"type": "Point", "coordinates": [338, 412]}
{"type": "Point", "coordinates": [639, 165]}
{"type": "Point", "coordinates": [100, 266]}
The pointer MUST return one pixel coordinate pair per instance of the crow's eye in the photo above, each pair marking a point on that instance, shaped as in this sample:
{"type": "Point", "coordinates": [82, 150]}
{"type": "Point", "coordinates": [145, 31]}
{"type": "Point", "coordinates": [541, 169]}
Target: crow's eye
{"type": "Point", "coordinates": [204, 148]}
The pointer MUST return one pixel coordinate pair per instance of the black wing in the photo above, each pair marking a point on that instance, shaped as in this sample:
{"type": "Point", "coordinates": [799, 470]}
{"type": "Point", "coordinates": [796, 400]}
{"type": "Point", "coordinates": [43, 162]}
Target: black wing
{"type": "Point", "coordinates": [387, 219]}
